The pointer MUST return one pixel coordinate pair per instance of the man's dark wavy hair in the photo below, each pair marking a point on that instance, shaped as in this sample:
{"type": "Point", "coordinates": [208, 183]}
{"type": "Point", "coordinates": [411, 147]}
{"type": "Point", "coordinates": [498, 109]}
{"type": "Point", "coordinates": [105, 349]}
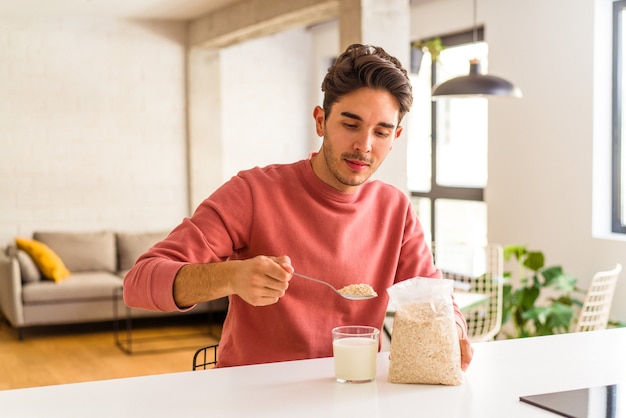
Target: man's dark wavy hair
{"type": "Point", "coordinates": [367, 66]}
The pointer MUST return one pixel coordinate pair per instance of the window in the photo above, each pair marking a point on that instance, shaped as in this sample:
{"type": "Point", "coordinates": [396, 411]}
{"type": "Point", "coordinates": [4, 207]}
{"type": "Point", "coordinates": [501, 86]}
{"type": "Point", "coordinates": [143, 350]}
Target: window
{"type": "Point", "coordinates": [618, 212]}
{"type": "Point", "coordinates": [447, 147]}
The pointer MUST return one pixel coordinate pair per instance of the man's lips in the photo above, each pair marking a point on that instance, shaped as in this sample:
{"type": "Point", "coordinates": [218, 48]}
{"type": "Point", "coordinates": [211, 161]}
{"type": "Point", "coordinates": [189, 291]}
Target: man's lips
{"type": "Point", "coordinates": [356, 165]}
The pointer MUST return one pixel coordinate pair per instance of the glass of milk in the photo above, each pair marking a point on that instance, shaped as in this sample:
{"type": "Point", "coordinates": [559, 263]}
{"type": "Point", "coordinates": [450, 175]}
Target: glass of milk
{"type": "Point", "coordinates": [355, 348]}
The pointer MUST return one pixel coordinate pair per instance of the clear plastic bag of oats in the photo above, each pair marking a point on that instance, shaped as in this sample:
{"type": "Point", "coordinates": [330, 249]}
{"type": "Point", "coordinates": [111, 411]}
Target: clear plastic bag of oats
{"type": "Point", "coordinates": [424, 341]}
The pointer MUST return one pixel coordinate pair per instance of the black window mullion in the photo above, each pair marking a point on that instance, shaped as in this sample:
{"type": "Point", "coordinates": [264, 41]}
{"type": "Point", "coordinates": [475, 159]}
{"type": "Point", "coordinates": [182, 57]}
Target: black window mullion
{"type": "Point", "coordinates": [458, 193]}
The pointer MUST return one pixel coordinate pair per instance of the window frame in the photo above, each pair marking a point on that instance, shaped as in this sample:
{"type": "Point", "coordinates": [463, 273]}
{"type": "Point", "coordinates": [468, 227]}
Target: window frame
{"type": "Point", "coordinates": [617, 223]}
{"type": "Point", "coordinates": [447, 192]}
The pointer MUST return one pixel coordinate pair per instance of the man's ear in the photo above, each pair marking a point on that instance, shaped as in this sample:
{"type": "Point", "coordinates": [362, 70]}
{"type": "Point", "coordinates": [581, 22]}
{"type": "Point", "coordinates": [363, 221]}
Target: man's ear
{"type": "Point", "coordinates": [320, 117]}
{"type": "Point", "coordinates": [398, 132]}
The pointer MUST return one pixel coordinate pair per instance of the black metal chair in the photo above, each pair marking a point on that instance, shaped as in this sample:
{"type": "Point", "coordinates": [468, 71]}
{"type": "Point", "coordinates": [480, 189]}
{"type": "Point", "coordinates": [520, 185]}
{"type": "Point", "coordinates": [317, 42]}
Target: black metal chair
{"type": "Point", "coordinates": [203, 358]}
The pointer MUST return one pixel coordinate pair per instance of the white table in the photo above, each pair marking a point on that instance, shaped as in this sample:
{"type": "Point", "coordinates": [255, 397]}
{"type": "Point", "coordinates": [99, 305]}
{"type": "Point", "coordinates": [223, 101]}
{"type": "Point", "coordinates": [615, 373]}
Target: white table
{"type": "Point", "coordinates": [466, 301]}
{"type": "Point", "coordinates": [500, 373]}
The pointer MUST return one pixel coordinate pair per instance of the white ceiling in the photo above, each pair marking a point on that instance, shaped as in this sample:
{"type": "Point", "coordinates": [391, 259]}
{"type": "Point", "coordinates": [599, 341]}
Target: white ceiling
{"type": "Point", "coordinates": [136, 9]}
{"type": "Point", "coordinates": [132, 9]}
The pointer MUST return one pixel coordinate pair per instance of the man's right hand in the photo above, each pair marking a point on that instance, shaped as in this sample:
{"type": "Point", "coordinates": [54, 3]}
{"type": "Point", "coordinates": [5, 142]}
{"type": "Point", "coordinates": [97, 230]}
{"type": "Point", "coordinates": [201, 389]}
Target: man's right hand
{"type": "Point", "coordinates": [261, 280]}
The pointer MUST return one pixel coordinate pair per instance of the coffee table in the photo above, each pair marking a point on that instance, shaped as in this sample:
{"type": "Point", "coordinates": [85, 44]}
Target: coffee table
{"type": "Point", "coordinates": [123, 331]}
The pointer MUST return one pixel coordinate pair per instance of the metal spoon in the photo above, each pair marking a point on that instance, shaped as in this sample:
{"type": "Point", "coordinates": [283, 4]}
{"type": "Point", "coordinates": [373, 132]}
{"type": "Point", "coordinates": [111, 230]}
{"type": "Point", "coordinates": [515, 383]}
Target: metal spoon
{"type": "Point", "coordinates": [343, 295]}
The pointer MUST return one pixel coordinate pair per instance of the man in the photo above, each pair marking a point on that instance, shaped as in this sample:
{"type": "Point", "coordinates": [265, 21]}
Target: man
{"type": "Point", "coordinates": [321, 216]}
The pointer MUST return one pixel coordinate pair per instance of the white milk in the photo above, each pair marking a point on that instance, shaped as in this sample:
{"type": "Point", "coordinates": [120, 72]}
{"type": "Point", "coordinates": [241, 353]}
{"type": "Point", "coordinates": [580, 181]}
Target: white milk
{"type": "Point", "coordinates": [355, 358]}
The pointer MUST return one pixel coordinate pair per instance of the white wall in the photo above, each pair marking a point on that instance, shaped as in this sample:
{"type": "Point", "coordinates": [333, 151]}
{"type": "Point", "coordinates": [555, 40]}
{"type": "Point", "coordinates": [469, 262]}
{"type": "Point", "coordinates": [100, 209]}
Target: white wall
{"type": "Point", "coordinates": [92, 125]}
{"type": "Point", "coordinates": [541, 148]}
{"type": "Point", "coordinates": [266, 118]}
{"type": "Point", "coordinates": [248, 106]}
{"type": "Point", "coordinates": [324, 50]}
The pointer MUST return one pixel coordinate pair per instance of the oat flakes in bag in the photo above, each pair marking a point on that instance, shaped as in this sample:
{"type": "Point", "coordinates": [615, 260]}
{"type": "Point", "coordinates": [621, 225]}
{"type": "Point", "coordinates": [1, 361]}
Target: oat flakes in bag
{"type": "Point", "coordinates": [425, 342]}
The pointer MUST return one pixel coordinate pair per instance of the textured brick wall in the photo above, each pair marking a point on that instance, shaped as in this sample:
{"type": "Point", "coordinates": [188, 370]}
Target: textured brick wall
{"type": "Point", "coordinates": [92, 125]}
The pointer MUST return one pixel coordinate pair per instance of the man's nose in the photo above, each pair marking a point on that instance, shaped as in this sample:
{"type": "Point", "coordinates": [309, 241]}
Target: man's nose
{"type": "Point", "coordinates": [364, 142]}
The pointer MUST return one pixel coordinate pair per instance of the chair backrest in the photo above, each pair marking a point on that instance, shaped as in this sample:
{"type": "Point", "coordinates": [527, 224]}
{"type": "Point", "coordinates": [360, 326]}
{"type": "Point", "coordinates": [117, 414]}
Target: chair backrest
{"type": "Point", "coordinates": [594, 314]}
{"type": "Point", "coordinates": [205, 356]}
{"type": "Point", "coordinates": [475, 269]}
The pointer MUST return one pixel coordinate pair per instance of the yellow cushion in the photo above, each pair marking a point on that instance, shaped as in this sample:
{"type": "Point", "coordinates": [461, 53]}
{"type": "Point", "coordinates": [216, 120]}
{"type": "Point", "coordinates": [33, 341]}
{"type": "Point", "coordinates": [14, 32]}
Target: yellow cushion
{"type": "Point", "coordinates": [47, 261]}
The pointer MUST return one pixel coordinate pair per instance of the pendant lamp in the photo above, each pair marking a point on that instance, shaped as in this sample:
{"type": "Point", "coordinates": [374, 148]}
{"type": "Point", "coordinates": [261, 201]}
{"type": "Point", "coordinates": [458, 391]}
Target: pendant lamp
{"type": "Point", "coordinates": [475, 83]}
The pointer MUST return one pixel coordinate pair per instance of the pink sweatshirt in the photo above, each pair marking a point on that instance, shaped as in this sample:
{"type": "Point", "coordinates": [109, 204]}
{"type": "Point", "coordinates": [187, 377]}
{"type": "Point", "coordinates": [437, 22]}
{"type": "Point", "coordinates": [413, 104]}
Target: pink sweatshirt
{"type": "Point", "coordinates": [371, 236]}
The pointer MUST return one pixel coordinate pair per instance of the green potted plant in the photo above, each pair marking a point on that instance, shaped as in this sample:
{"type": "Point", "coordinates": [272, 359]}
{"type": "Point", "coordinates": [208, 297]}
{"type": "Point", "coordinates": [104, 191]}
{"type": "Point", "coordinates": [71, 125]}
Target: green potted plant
{"type": "Point", "coordinates": [433, 46]}
{"type": "Point", "coordinates": [530, 314]}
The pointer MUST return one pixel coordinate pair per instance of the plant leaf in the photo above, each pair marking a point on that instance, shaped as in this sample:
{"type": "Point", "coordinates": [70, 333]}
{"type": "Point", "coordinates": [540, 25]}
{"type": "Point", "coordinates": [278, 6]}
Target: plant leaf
{"type": "Point", "coordinates": [560, 317]}
{"type": "Point", "coordinates": [562, 281]}
{"type": "Point", "coordinates": [551, 272]}
{"type": "Point", "coordinates": [534, 260]}
{"type": "Point", "coordinates": [550, 319]}
{"type": "Point", "coordinates": [528, 296]}
{"type": "Point", "coordinates": [516, 251]}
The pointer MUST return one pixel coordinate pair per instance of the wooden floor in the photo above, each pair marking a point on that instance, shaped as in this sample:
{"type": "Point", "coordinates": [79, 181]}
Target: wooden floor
{"type": "Point", "coordinates": [79, 353]}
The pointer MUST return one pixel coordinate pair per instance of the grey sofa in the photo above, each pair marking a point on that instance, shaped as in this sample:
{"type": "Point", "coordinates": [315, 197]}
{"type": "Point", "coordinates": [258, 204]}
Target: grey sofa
{"type": "Point", "coordinates": [97, 261]}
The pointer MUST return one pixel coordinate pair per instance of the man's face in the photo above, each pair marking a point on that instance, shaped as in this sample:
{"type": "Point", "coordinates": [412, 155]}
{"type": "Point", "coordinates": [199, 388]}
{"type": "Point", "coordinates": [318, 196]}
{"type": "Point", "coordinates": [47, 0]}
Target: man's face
{"type": "Point", "coordinates": [358, 135]}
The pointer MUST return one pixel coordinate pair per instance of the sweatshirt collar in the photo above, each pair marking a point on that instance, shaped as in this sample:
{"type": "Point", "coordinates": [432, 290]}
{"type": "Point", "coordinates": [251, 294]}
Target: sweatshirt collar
{"type": "Point", "coordinates": [321, 189]}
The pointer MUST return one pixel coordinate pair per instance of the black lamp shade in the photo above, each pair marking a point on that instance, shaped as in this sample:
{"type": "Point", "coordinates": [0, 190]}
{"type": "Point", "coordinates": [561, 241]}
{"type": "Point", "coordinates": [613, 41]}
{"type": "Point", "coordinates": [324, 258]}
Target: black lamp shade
{"type": "Point", "coordinates": [476, 84]}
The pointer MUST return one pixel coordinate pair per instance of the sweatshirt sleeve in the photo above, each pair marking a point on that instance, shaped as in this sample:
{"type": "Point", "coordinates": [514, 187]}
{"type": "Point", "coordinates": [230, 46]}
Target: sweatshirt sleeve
{"type": "Point", "coordinates": [215, 232]}
{"type": "Point", "coordinates": [459, 318]}
{"type": "Point", "coordinates": [150, 282]}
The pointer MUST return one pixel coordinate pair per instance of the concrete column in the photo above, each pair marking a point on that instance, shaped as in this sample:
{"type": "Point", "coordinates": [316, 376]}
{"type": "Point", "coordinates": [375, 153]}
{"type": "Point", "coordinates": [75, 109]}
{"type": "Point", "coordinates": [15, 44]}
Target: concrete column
{"type": "Point", "coordinates": [384, 23]}
{"type": "Point", "coordinates": [204, 124]}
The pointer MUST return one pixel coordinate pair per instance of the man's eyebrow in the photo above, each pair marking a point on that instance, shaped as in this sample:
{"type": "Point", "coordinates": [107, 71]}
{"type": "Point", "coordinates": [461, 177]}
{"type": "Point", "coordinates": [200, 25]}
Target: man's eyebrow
{"type": "Point", "coordinates": [351, 116]}
{"type": "Point", "coordinates": [357, 117]}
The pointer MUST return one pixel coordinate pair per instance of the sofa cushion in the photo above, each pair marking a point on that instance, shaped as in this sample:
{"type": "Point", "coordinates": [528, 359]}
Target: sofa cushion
{"type": "Point", "coordinates": [48, 262]}
{"type": "Point", "coordinates": [29, 270]}
{"type": "Point", "coordinates": [131, 245]}
{"type": "Point", "coordinates": [82, 251]}
{"type": "Point", "coordinates": [10, 251]}
{"type": "Point", "coordinates": [86, 285]}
